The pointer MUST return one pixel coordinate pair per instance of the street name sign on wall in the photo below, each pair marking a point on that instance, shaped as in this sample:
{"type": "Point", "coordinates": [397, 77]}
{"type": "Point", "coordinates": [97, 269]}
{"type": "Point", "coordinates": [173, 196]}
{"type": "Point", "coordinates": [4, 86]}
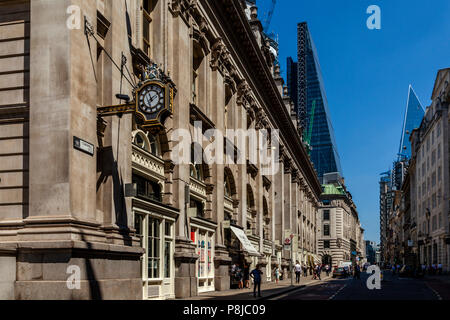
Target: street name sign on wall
{"type": "Point", "coordinates": [83, 146]}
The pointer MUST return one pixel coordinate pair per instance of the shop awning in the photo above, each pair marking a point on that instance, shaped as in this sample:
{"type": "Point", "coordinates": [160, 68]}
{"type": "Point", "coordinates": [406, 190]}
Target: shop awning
{"type": "Point", "coordinates": [240, 234]}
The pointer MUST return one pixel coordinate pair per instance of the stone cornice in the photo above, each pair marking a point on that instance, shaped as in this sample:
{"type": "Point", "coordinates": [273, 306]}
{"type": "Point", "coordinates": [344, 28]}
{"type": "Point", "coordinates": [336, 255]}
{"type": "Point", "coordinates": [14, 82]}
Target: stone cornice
{"type": "Point", "coordinates": [245, 47]}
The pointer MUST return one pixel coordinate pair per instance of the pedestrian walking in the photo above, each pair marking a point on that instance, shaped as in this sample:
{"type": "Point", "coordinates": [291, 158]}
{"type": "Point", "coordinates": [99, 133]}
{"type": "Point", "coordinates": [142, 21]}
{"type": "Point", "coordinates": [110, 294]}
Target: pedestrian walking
{"type": "Point", "coordinates": [440, 268]}
{"type": "Point", "coordinates": [277, 274]}
{"type": "Point", "coordinates": [357, 272]}
{"type": "Point", "coordinates": [305, 271]}
{"type": "Point", "coordinates": [317, 271]}
{"type": "Point", "coordinates": [240, 277]}
{"type": "Point", "coordinates": [327, 270]}
{"type": "Point", "coordinates": [247, 276]}
{"type": "Point", "coordinates": [298, 272]}
{"type": "Point", "coordinates": [256, 276]}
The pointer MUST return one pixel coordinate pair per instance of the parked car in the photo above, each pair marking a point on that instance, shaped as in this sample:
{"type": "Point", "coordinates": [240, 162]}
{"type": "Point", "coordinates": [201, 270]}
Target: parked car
{"type": "Point", "coordinates": [340, 272]}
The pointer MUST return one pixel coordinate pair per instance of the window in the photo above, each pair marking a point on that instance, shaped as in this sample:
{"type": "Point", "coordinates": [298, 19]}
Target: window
{"type": "Point", "coordinates": [205, 249]}
{"type": "Point", "coordinates": [198, 207]}
{"type": "Point", "coordinates": [227, 186]}
{"type": "Point", "coordinates": [439, 174]}
{"type": "Point", "coordinates": [168, 240]}
{"type": "Point", "coordinates": [434, 200]}
{"type": "Point", "coordinates": [440, 220]}
{"type": "Point", "coordinates": [326, 215]}
{"type": "Point", "coordinates": [154, 254]}
{"type": "Point", "coordinates": [196, 162]}
{"type": "Point", "coordinates": [146, 189]}
{"type": "Point", "coordinates": [434, 223]}
{"type": "Point", "coordinates": [197, 74]}
{"type": "Point", "coordinates": [433, 157]}
{"type": "Point", "coordinates": [147, 8]}
{"type": "Point", "coordinates": [326, 229]}
{"type": "Point", "coordinates": [154, 145]}
{"type": "Point", "coordinates": [326, 244]}
{"type": "Point", "coordinates": [439, 151]}
{"type": "Point", "coordinates": [433, 179]}
{"type": "Point", "coordinates": [148, 142]}
{"type": "Point", "coordinates": [138, 225]}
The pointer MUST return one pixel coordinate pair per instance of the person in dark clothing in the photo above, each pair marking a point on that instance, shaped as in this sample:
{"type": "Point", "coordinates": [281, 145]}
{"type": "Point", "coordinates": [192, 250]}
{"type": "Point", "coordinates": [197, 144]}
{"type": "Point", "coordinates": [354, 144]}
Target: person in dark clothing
{"type": "Point", "coordinates": [246, 276]}
{"type": "Point", "coordinates": [256, 276]}
{"type": "Point", "coordinates": [357, 272]}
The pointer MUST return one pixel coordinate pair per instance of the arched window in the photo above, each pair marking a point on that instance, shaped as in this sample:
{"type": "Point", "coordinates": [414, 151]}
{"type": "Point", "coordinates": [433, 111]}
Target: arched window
{"type": "Point", "coordinates": [266, 228]}
{"type": "Point", "coordinates": [154, 145]}
{"type": "Point", "coordinates": [196, 167]}
{"type": "Point", "coordinates": [227, 186]}
{"type": "Point", "coordinates": [148, 142]}
{"type": "Point", "coordinates": [250, 198]}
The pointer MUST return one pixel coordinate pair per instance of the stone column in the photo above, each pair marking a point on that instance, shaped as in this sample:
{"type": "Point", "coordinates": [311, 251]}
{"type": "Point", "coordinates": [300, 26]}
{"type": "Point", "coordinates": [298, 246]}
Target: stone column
{"type": "Point", "coordinates": [279, 204]}
{"type": "Point", "coordinates": [181, 66]}
{"type": "Point", "coordinates": [287, 205]}
{"type": "Point", "coordinates": [63, 229]}
{"type": "Point", "coordinates": [222, 259]}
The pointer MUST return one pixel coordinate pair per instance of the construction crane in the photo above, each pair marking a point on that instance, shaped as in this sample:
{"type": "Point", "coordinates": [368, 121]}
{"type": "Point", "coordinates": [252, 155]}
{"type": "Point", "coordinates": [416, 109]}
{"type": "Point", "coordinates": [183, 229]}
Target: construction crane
{"type": "Point", "coordinates": [268, 20]}
{"type": "Point", "coordinates": [308, 136]}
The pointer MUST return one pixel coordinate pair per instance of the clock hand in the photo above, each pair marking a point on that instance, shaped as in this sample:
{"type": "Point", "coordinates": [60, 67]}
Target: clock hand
{"type": "Point", "coordinates": [153, 98]}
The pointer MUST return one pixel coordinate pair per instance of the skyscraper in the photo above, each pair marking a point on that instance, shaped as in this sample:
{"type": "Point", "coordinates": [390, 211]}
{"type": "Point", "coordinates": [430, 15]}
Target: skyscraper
{"type": "Point", "coordinates": [414, 113]}
{"type": "Point", "coordinates": [311, 105]}
{"type": "Point", "coordinates": [385, 207]}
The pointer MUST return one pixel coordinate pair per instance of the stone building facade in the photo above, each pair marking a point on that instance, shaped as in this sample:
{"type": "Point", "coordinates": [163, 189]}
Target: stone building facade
{"type": "Point", "coordinates": [429, 179]}
{"type": "Point", "coordinates": [341, 238]}
{"type": "Point", "coordinates": [121, 215]}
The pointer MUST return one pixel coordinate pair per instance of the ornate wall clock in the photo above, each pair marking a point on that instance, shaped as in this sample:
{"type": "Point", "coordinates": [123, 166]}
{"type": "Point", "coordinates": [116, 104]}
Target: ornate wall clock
{"type": "Point", "coordinates": [154, 97]}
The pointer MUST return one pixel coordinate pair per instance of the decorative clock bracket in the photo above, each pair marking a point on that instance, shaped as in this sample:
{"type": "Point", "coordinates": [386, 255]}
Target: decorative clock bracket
{"type": "Point", "coordinates": [153, 99]}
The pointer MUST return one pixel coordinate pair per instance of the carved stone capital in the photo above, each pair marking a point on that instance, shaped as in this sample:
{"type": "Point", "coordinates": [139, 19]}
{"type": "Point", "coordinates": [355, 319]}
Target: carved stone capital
{"type": "Point", "coordinates": [243, 91]}
{"type": "Point", "coordinates": [169, 166]}
{"type": "Point", "coordinates": [218, 50]}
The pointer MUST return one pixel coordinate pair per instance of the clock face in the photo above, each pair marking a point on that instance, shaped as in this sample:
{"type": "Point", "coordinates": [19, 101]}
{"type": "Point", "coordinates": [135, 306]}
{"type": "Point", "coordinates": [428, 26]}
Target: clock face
{"type": "Point", "coordinates": [151, 99]}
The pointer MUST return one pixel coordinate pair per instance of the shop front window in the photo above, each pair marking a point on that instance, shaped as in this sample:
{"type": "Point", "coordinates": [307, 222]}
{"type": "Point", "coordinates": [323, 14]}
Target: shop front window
{"type": "Point", "coordinates": [205, 263]}
{"type": "Point", "coordinates": [153, 248]}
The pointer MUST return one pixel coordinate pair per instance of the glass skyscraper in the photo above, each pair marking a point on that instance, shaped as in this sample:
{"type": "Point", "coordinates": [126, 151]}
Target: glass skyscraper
{"type": "Point", "coordinates": [306, 88]}
{"type": "Point", "coordinates": [413, 117]}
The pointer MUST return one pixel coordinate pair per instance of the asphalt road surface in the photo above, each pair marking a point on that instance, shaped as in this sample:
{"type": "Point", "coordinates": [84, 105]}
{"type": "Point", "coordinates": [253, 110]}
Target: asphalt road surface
{"type": "Point", "coordinates": [392, 288]}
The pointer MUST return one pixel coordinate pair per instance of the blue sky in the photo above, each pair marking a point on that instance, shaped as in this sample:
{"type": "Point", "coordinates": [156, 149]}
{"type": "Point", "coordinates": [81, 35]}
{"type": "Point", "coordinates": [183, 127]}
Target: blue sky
{"type": "Point", "coordinates": [367, 74]}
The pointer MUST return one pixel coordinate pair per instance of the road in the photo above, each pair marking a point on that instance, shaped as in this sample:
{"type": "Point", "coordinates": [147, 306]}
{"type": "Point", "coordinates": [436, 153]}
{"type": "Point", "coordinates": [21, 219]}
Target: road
{"type": "Point", "coordinates": [392, 288]}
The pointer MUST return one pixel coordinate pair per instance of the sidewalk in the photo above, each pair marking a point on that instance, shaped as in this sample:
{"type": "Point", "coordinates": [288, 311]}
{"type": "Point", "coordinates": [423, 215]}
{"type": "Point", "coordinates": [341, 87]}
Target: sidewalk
{"type": "Point", "coordinates": [268, 290]}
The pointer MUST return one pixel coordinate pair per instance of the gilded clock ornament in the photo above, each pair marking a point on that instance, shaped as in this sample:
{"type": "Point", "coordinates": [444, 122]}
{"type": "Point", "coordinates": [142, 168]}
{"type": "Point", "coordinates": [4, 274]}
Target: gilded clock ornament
{"type": "Point", "coordinates": [154, 96]}
{"type": "Point", "coordinates": [153, 99]}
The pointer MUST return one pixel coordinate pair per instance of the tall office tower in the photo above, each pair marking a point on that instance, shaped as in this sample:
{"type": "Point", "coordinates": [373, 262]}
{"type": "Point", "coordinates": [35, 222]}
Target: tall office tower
{"type": "Point", "coordinates": [414, 113]}
{"type": "Point", "coordinates": [292, 75]}
{"type": "Point", "coordinates": [311, 104]}
{"type": "Point", "coordinates": [385, 207]}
